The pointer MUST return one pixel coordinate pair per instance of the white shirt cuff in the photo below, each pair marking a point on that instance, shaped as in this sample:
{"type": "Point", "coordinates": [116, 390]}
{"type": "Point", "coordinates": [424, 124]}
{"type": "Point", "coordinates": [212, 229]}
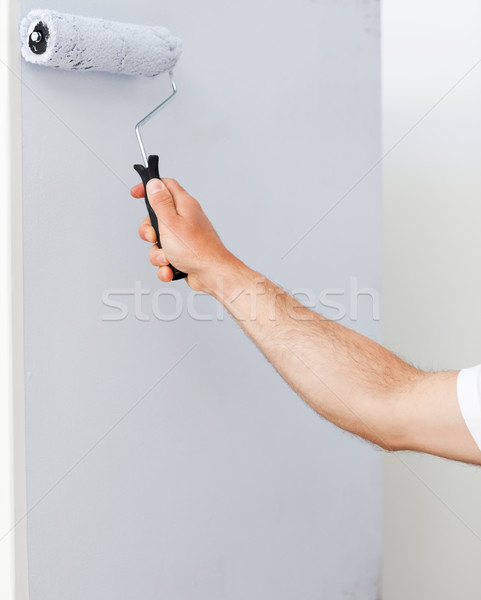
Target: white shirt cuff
{"type": "Point", "coordinates": [469, 398]}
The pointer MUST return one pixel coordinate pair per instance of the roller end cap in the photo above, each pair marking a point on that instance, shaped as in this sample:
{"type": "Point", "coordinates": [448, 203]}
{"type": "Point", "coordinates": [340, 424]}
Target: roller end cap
{"type": "Point", "coordinates": [37, 40]}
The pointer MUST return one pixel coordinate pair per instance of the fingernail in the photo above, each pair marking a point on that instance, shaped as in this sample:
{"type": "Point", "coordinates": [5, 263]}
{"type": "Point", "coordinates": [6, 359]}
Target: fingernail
{"type": "Point", "coordinates": [159, 260]}
{"type": "Point", "coordinates": [154, 186]}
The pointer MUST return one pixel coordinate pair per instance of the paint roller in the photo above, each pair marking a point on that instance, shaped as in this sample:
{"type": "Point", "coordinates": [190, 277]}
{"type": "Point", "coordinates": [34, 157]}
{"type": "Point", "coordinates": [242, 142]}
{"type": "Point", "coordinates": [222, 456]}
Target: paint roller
{"type": "Point", "coordinates": [71, 42]}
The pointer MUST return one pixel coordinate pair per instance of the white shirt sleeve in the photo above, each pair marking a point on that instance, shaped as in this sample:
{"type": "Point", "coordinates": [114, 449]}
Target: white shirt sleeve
{"type": "Point", "coordinates": [469, 398]}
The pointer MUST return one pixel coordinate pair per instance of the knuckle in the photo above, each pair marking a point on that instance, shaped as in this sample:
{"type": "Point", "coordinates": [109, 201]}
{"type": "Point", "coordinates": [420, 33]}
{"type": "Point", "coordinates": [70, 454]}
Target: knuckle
{"type": "Point", "coordinates": [159, 198]}
{"type": "Point", "coordinates": [162, 201]}
{"type": "Point", "coordinates": [195, 204]}
{"type": "Point", "coordinates": [173, 185]}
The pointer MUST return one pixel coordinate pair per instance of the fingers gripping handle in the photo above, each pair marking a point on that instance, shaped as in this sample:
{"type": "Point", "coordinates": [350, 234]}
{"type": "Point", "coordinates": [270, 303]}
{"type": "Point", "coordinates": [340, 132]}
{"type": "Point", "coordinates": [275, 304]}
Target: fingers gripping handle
{"type": "Point", "coordinates": [148, 173]}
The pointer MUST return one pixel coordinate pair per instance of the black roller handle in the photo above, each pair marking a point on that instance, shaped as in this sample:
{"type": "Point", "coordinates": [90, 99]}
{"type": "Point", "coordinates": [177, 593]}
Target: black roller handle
{"type": "Point", "coordinates": [148, 173]}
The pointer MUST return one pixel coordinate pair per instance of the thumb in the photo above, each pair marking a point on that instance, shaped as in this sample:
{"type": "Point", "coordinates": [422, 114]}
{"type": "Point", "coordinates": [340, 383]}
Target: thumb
{"type": "Point", "coordinates": [161, 199]}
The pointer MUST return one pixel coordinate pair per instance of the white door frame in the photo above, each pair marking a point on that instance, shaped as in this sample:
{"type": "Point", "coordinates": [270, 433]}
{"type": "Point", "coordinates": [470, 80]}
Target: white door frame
{"type": "Point", "coordinates": [13, 539]}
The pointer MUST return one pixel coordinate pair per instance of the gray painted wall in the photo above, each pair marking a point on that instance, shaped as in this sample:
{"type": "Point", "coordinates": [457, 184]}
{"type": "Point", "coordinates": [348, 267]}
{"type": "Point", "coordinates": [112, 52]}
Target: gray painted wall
{"type": "Point", "coordinates": [166, 459]}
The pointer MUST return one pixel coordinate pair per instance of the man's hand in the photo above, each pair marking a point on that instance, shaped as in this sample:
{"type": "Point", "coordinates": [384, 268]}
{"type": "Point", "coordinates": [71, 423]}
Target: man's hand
{"type": "Point", "coordinates": [189, 241]}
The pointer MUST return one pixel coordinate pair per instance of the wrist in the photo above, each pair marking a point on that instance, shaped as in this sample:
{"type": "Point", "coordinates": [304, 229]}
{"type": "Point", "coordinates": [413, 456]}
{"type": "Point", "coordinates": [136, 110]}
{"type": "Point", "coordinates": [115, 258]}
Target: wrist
{"type": "Point", "coordinates": [226, 279]}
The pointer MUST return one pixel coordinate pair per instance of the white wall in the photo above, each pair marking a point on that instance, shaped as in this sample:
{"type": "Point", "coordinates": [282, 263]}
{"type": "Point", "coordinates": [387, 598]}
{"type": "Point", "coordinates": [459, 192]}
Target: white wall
{"type": "Point", "coordinates": [432, 187]}
{"type": "Point", "coordinates": [13, 551]}
{"type": "Point", "coordinates": [7, 561]}
{"type": "Point", "coordinates": [167, 459]}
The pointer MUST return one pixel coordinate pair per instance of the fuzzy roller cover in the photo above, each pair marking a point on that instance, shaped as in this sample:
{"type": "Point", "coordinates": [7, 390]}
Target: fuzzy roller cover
{"type": "Point", "coordinates": [78, 43]}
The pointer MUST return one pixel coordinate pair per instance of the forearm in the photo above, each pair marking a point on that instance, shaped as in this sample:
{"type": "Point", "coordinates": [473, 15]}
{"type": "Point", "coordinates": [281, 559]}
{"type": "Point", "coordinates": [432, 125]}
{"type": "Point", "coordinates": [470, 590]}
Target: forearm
{"type": "Point", "coordinates": [344, 376]}
{"type": "Point", "coordinates": [347, 378]}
